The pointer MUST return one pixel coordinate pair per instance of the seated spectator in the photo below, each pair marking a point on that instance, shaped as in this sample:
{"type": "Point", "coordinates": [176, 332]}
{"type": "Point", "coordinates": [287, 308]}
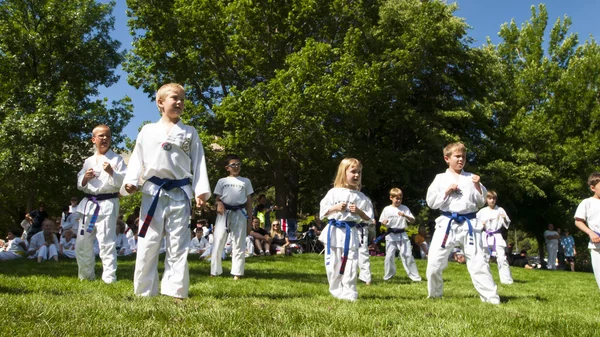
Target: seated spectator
{"type": "Point", "coordinates": [121, 241]}
{"type": "Point", "coordinates": [44, 244]}
{"type": "Point", "coordinates": [259, 212]}
{"type": "Point", "coordinates": [14, 247]}
{"type": "Point", "coordinates": [262, 239]}
{"type": "Point", "coordinates": [199, 243]}
{"type": "Point", "coordinates": [36, 219]}
{"type": "Point", "coordinates": [279, 239]}
{"type": "Point", "coordinates": [521, 260]}
{"type": "Point", "coordinates": [421, 242]}
{"type": "Point", "coordinates": [67, 244]}
{"type": "Point", "coordinates": [458, 255]}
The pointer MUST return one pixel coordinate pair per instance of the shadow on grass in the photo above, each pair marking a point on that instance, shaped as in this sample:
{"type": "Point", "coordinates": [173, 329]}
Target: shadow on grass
{"type": "Point", "coordinates": [14, 291]}
{"type": "Point", "coordinates": [506, 299]}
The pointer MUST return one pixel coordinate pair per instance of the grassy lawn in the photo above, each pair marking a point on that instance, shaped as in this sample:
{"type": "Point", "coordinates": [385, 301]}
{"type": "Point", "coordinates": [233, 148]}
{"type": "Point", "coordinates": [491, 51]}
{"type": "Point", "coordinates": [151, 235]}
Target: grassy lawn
{"type": "Point", "coordinates": [281, 296]}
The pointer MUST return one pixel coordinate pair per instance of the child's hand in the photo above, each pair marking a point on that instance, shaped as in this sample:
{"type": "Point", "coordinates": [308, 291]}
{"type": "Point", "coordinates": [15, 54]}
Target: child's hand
{"type": "Point", "coordinates": [352, 208]}
{"type": "Point", "coordinates": [475, 178]}
{"type": "Point", "coordinates": [106, 166]}
{"type": "Point", "coordinates": [594, 237]}
{"type": "Point", "coordinates": [451, 189]}
{"type": "Point", "coordinates": [400, 213]}
{"type": "Point", "coordinates": [340, 207]}
{"type": "Point", "coordinates": [130, 188]}
{"type": "Point", "coordinates": [220, 207]}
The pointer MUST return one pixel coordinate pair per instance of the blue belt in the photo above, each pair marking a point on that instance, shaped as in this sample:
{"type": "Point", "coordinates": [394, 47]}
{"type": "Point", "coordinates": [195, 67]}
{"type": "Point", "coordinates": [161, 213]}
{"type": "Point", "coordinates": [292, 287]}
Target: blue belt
{"type": "Point", "coordinates": [460, 218]}
{"type": "Point", "coordinates": [388, 232]}
{"type": "Point", "coordinates": [233, 208]}
{"type": "Point", "coordinates": [94, 200]}
{"type": "Point", "coordinates": [340, 224]}
{"type": "Point", "coordinates": [167, 184]}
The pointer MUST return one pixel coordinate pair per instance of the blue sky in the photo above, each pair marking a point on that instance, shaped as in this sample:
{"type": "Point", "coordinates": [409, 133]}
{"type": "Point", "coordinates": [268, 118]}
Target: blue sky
{"type": "Point", "coordinates": [484, 16]}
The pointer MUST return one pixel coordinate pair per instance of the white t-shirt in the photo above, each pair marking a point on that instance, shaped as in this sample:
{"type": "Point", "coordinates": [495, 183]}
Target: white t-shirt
{"type": "Point", "coordinates": [589, 211]}
{"type": "Point", "coordinates": [548, 233]}
{"type": "Point", "coordinates": [234, 191]}
{"type": "Point", "coordinates": [390, 213]}
{"type": "Point", "coordinates": [338, 195]}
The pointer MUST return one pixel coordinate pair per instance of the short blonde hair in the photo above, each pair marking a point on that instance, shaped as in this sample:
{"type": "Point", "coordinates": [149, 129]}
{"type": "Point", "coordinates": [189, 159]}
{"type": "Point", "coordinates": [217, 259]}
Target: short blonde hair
{"type": "Point", "coordinates": [165, 89]}
{"type": "Point", "coordinates": [493, 194]}
{"type": "Point", "coordinates": [395, 192]}
{"type": "Point", "coordinates": [99, 127]}
{"type": "Point", "coordinates": [340, 177]}
{"type": "Point", "coordinates": [450, 148]}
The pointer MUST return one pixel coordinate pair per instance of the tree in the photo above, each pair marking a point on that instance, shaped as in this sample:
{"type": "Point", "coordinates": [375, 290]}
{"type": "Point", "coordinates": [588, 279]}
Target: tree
{"type": "Point", "coordinates": [542, 141]}
{"type": "Point", "coordinates": [54, 55]}
{"type": "Point", "coordinates": [295, 86]}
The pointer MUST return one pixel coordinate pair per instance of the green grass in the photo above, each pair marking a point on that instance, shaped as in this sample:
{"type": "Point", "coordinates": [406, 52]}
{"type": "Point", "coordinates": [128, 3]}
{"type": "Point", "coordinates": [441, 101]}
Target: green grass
{"type": "Point", "coordinates": [281, 296]}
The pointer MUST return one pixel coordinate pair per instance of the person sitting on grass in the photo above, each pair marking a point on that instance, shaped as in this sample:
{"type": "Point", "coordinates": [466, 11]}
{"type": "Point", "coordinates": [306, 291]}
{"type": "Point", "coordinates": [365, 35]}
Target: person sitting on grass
{"type": "Point", "coordinates": [262, 239]}
{"type": "Point", "coordinates": [199, 243]}
{"type": "Point", "coordinates": [279, 239]}
{"type": "Point", "coordinates": [67, 244]}
{"type": "Point", "coordinates": [14, 247]}
{"type": "Point", "coordinates": [122, 242]}
{"type": "Point", "coordinates": [43, 245]}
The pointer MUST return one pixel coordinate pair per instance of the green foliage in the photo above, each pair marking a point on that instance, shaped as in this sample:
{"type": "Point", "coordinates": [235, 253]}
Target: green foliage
{"type": "Point", "coordinates": [288, 296]}
{"type": "Point", "coordinates": [543, 135]}
{"type": "Point", "coordinates": [53, 57]}
{"type": "Point", "coordinates": [299, 85]}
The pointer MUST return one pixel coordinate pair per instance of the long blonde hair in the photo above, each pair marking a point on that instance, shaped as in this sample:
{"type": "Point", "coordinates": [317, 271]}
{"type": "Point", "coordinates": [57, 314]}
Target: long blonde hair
{"type": "Point", "coordinates": [340, 177]}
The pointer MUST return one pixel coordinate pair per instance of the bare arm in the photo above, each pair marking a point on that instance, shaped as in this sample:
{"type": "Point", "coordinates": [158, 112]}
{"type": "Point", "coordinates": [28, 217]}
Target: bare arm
{"type": "Point", "coordinates": [580, 223]}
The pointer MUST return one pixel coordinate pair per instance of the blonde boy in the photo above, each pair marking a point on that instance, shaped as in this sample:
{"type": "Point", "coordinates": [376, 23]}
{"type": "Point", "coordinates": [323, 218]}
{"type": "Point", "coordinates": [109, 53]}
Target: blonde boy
{"type": "Point", "coordinates": [396, 217]}
{"type": "Point", "coordinates": [100, 179]}
{"type": "Point", "coordinates": [587, 218]}
{"type": "Point", "coordinates": [168, 157]}
{"type": "Point", "coordinates": [459, 195]}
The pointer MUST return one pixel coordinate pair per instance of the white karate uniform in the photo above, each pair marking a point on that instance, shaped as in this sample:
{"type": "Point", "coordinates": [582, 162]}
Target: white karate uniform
{"type": "Point", "coordinates": [198, 244]}
{"type": "Point", "coordinates": [493, 223]}
{"type": "Point", "coordinates": [551, 248]}
{"type": "Point", "coordinates": [467, 200]}
{"type": "Point", "coordinates": [233, 191]}
{"type": "Point", "coordinates": [343, 286]}
{"type": "Point", "coordinates": [122, 245]}
{"type": "Point", "coordinates": [13, 250]}
{"type": "Point", "coordinates": [364, 259]}
{"type": "Point", "coordinates": [176, 155]}
{"type": "Point", "coordinates": [398, 242]}
{"type": "Point", "coordinates": [589, 211]}
{"type": "Point", "coordinates": [105, 229]}
{"type": "Point", "coordinates": [68, 247]}
{"type": "Point", "coordinates": [70, 222]}
{"type": "Point", "coordinates": [46, 252]}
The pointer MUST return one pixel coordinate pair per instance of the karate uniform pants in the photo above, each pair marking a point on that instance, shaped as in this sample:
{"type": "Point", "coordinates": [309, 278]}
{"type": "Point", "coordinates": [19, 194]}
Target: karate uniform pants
{"type": "Point", "coordinates": [105, 230]}
{"type": "Point", "coordinates": [364, 262]}
{"type": "Point", "coordinates": [408, 261]}
{"type": "Point", "coordinates": [595, 254]}
{"type": "Point", "coordinates": [503, 267]}
{"type": "Point", "coordinates": [477, 263]}
{"type": "Point", "coordinates": [552, 249]}
{"type": "Point", "coordinates": [171, 220]}
{"type": "Point", "coordinates": [238, 226]}
{"type": "Point", "coordinates": [46, 252]}
{"type": "Point", "coordinates": [342, 286]}
{"type": "Point", "coordinates": [5, 256]}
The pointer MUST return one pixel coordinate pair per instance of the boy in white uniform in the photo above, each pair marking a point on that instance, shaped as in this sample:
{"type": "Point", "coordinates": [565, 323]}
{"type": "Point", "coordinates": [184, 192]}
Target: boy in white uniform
{"type": "Point", "coordinates": [199, 243]}
{"type": "Point", "coordinates": [344, 206]}
{"type": "Point", "coordinates": [44, 244]}
{"type": "Point", "coordinates": [168, 156]}
{"type": "Point", "coordinates": [493, 218]}
{"type": "Point", "coordinates": [395, 217]}
{"type": "Point", "coordinates": [459, 195]}
{"type": "Point", "coordinates": [14, 248]}
{"type": "Point", "coordinates": [100, 179]}
{"type": "Point", "coordinates": [234, 215]}
{"type": "Point", "coordinates": [587, 219]}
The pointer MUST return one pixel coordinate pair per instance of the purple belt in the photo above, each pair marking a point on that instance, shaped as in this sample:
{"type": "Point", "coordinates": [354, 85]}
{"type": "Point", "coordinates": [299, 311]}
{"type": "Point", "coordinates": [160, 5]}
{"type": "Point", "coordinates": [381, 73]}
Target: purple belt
{"type": "Point", "coordinates": [491, 233]}
{"type": "Point", "coordinates": [94, 200]}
